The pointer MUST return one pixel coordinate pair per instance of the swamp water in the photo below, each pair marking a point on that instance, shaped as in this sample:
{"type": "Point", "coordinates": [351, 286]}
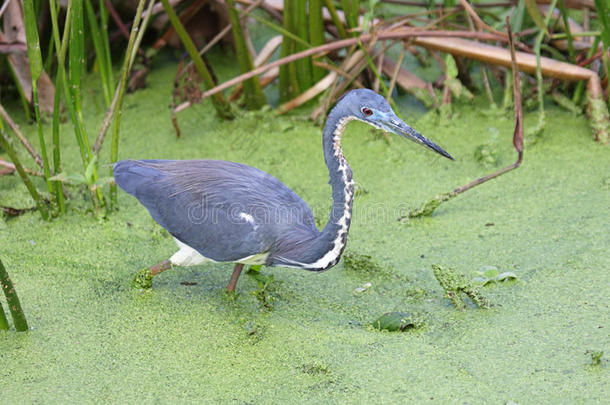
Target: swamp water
{"type": "Point", "coordinates": [96, 339]}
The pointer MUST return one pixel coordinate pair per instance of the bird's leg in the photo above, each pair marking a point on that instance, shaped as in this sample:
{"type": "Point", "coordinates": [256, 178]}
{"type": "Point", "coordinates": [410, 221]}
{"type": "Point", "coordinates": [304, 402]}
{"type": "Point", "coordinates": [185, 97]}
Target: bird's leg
{"type": "Point", "coordinates": [234, 277]}
{"type": "Point", "coordinates": [143, 278]}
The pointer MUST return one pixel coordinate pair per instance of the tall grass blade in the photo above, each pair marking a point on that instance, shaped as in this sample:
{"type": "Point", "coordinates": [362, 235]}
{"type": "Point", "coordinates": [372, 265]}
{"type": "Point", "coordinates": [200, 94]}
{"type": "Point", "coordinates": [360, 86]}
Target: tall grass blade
{"type": "Point", "coordinates": [14, 306]}
{"type": "Point", "coordinates": [71, 79]}
{"type": "Point", "coordinates": [580, 86]}
{"type": "Point", "coordinates": [253, 92]}
{"type": "Point", "coordinates": [289, 84]}
{"type": "Point", "coordinates": [24, 101]}
{"type": "Point", "coordinates": [541, 114]}
{"type": "Point", "coordinates": [534, 12]}
{"type": "Point", "coordinates": [76, 65]}
{"type": "Point", "coordinates": [304, 67]}
{"type": "Point", "coordinates": [223, 108]}
{"type": "Point", "coordinates": [106, 44]}
{"type": "Point", "coordinates": [76, 59]}
{"type": "Point", "coordinates": [351, 9]}
{"type": "Point", "coordinates": [129, 57]}
{"type": "Point", "coordinates": [3, 321]}
{"type": "Point", "coordinates": [100, 52]}
{"type": "Point", "coordinates": [564, 16]}
{"type": "Point", "coordinates": [35, 59]}
{"type": "Point", "coordinates": [12, 154]}
{"type": "Point", "coordinates": [603, 15]}
{"type": "Point", "coordinates": [336, 20]}
{"type": "Point", "coordinates": [316, 33]}
{"type": "Point", "coordinates": [61, 45]}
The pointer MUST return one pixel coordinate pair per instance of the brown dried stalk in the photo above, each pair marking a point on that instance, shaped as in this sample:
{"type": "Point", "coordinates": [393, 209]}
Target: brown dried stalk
{"type": "Point", "coordinates": [477, 20]}
{"type": "Point", "coordinates": [429, 207]}
{"type": "Point", "coordinates": [322, 85]}
{"type": "Point", "coordinates": [263, 57]}
{"type": "Point", "coordinates": [24, 141]}
{"type": "Point", "coordinates": [10, 168]}
{"type": "Point", "coordinates": [365, 38]}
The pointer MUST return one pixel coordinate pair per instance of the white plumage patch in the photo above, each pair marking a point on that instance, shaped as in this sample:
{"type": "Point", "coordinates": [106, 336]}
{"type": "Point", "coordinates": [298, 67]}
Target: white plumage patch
{"type": "Point", "coordinates": [249, 218]}
{"type": "Point", "coordinates": [187, 256]}
{"type": "Point", "coordinates": [339, 243]}
{"type": "Point", "coordinates": [260, 258]}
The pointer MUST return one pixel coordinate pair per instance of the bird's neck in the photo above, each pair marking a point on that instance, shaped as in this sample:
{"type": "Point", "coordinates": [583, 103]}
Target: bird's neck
{"type": "Point", "coordinates": [334, 236]}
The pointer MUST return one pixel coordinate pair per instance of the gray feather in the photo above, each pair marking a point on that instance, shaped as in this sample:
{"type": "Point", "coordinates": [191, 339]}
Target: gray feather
{"type": "Point", "coordinates": [206, 205]}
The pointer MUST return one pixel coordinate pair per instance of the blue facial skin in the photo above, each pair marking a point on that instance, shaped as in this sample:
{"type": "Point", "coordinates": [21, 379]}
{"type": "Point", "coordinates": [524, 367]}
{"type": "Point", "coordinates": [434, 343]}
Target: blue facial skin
{"type": "Point", "coordinates": [389, 122]}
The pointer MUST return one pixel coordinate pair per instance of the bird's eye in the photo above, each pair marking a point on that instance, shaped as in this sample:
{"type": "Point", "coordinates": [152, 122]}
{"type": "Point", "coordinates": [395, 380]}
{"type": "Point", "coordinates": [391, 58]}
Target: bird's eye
{"type": "Point", "coordinates": [367, 111]}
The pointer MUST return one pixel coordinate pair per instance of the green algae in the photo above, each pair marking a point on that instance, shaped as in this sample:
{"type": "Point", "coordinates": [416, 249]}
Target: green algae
{"type": "Point", "coordinates": [596, 357]}
{"type": "Point", "coordinates": [360, 263]}
{"type": "Point", "coordinates": [455, 284]}
{"type": "Point", "coordinates": [143, 279]}
{"type": "Point", "coordinates": [266, 286]}
{"type": "Point", "coordinates": [428, 207]}
{"type": "Point", "coordinates": [94, 338]}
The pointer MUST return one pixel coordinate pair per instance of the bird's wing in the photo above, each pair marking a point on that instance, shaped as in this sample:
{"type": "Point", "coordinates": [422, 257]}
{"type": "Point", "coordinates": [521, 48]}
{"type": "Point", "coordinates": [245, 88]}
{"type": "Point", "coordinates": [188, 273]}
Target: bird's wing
{"type": "Point", "coordinates": [224, 210]}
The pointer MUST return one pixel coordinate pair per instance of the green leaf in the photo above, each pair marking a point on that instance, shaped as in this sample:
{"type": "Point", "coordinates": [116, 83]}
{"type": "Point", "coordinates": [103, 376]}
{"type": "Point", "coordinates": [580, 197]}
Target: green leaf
{"type": "Point", "coordinates": [76, 55]}
{"type": "Point", "coordinates": [532, 9]}
{"type": "Point", "coordinates": [516, 21]}
{"type": "Point", "coordinates": [491, 273]}
{"type": "Point", "coordinates": [100, 51]}
{"type": "Point", "coordinates": [452, 70]}
{"type": "Point", "coordinates": [397, 321]}
{"type": "Point", "coordinates": [481, 281]}
{"type": "Point", "coordinates": [74, 178]}
{"type": "Point", "coordinates": [507, 275]}
{"type": "Point", "coordinates": [33, 42]}
{"type": "Point", "coordinates": [89, 170]}
{"type": "Point", "coordinates": [102, 181]}
{"type": "Point", "coordinates": [603, 15]}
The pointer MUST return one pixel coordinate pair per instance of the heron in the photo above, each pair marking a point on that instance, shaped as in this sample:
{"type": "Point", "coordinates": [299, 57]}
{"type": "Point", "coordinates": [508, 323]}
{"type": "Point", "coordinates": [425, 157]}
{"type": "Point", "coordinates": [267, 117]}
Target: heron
{"type": "Point", "coordinates": [222, 211]}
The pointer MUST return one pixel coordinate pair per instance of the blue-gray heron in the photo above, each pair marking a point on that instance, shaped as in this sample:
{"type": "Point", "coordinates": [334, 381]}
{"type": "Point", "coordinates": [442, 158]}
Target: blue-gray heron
{"type": "Point", "coordinates": [229, 212]}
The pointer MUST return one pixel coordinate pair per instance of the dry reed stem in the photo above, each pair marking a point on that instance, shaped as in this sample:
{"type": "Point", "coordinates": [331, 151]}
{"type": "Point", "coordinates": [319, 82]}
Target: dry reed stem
{"type": "Point", "coordinates": [498, 56]}
{"type": "Point", "coordinates": [263, 57]}
{"type": "Point", "coordinates": [12, 169]}
{"type": "Point", "coordinates": [24, 141]}
{"type": "Point", "coordinates": [394, 34]}
{"type": "Point", "coordinates": [320, 86]}
{"type": "Point", "coordinates": [518, 131]}
{"type": "Point", "coordinates": [477, 20]}
{"type": "Point", "coordinates": [401, 76]}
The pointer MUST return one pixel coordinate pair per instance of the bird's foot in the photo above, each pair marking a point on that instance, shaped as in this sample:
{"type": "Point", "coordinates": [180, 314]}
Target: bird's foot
{"type": "Point", "coordinates": [143, 279]}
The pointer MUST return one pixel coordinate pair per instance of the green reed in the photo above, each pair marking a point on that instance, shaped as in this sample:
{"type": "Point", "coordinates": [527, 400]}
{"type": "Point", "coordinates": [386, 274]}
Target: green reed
{"type": "Point", "coordinates": [253, 92]}
{"type": "Point", "coordinates": [12, 300]}
{"type": "Point", "coordinates": [223, 108]}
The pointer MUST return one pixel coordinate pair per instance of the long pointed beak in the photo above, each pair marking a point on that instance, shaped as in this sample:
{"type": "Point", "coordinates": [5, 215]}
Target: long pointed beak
{"type": "Point", "coordinates": [397, 126]}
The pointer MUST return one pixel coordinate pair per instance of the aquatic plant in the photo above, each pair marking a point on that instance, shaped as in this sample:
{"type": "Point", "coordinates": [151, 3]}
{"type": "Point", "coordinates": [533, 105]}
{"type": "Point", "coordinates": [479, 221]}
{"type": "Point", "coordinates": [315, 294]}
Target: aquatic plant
{"type": "Point", "coordinates": [398, 322]}
{"type": "Point", "coordinates": [326, 47]}
{"type": "Point", "coordinates": [265, 286]}
{"type": "Point", "coordinates": [490, 274]}
{"type": "Point", "coordinates": [455, 284]}
{"type": "Point", "coordinates": [24, 18]}
{"type": "Point", "coordinates": [12, 300]}
{"type": "Point", "coordinates": [596, 357]}
{"type": "Point", "coordinates": [253, 93]}
{"type": "Point", "coordinates": [360, 263]}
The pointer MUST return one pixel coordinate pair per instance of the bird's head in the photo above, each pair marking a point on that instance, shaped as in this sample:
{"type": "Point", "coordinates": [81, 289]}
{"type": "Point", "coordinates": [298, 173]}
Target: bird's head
{"type": "Point", "coordinates": [367, 106]}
